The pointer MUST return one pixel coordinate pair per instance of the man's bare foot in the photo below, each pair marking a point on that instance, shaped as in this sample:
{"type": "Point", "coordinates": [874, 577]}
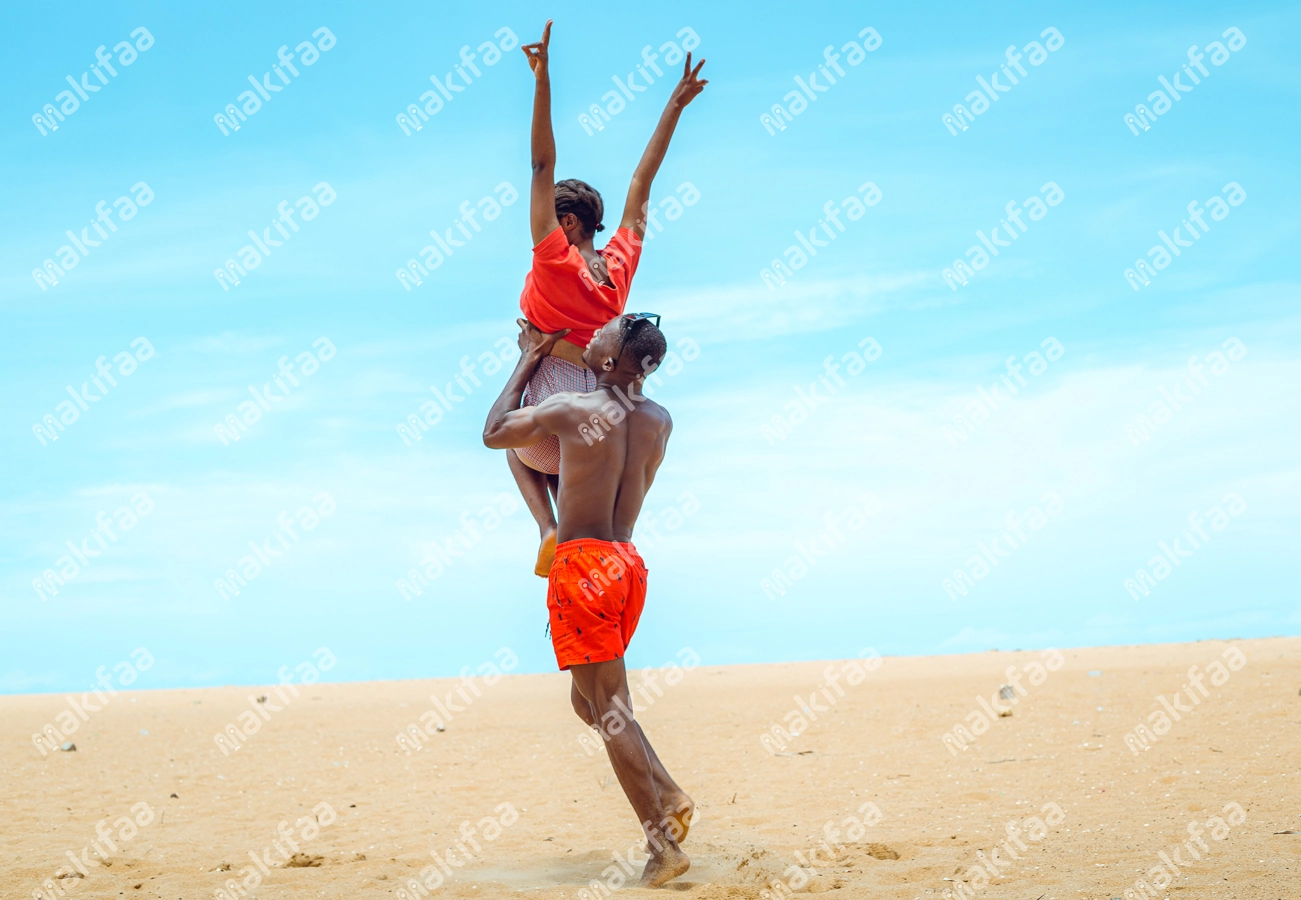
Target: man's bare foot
{"type": "Point", "coordinates": [661, 869]}
{"type": "Point", "coordinates": [683, 814]}
{"type": "Point", "coordinates": [546, 554]}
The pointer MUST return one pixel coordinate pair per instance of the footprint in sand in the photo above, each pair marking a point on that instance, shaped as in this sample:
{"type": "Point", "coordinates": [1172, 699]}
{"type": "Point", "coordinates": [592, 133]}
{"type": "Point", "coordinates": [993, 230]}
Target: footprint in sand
{"type": "Point", "coordinates": [881, 851]}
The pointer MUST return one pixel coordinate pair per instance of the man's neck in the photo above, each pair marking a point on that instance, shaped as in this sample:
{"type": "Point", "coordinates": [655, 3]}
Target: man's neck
{"type": "Point", "coordinates": [627, 384]}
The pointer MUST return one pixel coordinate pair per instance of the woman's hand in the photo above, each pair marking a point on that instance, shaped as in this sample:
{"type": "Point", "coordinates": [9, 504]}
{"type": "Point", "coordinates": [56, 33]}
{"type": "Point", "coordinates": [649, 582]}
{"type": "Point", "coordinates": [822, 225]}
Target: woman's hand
{"type": "Point", "coordinates": [537, 53]}
{"type": "Point", "coordinates": [690, 86]}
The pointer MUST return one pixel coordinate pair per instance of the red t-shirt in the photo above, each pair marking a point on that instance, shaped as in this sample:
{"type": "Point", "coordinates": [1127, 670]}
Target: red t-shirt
{"type": "Point", "coordinates": [561, 292]}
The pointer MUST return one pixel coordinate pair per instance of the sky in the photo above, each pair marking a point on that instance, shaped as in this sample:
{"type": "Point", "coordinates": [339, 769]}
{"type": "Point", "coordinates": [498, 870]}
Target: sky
{"type": "Point", "coordinates": [803, 511]}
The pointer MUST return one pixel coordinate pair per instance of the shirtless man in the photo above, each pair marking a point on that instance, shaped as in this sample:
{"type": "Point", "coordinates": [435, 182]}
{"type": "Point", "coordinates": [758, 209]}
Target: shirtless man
{"type": "Point", "coordinates": [612, 441]}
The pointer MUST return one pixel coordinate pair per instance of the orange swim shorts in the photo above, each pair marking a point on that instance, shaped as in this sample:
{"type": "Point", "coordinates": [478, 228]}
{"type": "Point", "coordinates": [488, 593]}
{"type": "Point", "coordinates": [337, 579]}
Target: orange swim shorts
{"type": "Point", "coordinates": [595, 595]}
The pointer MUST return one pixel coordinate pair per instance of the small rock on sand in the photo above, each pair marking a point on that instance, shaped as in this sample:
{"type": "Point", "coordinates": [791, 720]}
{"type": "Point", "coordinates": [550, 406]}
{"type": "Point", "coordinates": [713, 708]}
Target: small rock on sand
{"type": "Point", "coordinates": [68, 747]}
{"type": "Point", "coordinates": [303, 861]}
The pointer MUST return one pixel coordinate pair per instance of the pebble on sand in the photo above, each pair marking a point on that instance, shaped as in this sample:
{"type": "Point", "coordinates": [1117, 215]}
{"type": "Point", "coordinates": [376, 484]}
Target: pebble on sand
{"type": "Point", "coordinates": [68, 747]}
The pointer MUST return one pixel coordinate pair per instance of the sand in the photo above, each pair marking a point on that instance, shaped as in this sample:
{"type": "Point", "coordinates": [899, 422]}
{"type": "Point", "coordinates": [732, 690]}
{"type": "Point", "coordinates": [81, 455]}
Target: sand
{"type": "Point", "coordinates": [519, 744]}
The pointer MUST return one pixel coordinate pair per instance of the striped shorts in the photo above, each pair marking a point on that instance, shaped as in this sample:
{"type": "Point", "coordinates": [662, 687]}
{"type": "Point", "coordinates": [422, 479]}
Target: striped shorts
{"type": "Point", "coordinates": [553, 376]}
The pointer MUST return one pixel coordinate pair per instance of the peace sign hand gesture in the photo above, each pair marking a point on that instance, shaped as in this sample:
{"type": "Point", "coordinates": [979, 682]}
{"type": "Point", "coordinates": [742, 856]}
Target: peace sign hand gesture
{"type": "Point", "coordinates": [690, 86]}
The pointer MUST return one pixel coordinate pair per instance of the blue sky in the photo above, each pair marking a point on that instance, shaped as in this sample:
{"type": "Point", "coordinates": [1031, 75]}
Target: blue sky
{"type": "Point", "coordinates": [751, 500]}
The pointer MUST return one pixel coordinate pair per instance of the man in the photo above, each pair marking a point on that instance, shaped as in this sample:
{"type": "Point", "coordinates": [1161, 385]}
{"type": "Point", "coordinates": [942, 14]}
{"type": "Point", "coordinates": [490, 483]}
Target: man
{"type": "Point", "coordinates": [612, 442]}
{"type": "Point", "coordinates": [571, 285]}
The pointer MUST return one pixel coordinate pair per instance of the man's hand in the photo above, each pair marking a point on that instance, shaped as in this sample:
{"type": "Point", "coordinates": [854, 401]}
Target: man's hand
{"type": "Point", "coordinates": [537, 53]}
{"type": "Point", "coordinates": [508, 424]}
{"type": "Point", "coordinates": [533, 341]}
{"type": "Point", "coordinates": [690, 86]}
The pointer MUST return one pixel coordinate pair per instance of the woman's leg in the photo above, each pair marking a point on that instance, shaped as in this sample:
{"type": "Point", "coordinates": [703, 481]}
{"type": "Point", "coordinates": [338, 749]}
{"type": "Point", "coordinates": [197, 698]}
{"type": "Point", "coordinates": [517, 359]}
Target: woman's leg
{"type": "Point", "coordinates": [533, 487]}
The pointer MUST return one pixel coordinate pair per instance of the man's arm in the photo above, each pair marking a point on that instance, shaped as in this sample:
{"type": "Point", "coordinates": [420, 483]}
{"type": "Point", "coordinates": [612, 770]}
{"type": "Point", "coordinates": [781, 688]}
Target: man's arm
{"type": "Point", "coordinates": [639, 190]}
{"type": "Point", "coordinates": [508, 425]}
{"type": "Point", "coordinates": [542, 197]}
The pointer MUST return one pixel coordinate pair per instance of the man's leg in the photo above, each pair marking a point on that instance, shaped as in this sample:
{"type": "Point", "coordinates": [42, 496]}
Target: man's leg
{"type": "Point", "coordinates": [533, 486]}
{"type": "Point", "coordinates": [677, 804]}
{"type": "Point", "coordinates": [605, 686]}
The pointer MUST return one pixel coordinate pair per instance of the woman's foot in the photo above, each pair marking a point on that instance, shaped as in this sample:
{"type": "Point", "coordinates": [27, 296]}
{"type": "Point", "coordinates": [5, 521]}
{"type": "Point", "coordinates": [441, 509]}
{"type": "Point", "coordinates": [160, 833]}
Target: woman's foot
{"type": "Point", "coordinates": [546, 554]}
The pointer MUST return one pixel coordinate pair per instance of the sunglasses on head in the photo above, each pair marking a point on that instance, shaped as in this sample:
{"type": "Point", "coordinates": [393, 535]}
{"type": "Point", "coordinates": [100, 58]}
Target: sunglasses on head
{"type": "Point", "coordinates": [653, 318]}
{"type": "Point", "coordinates": [631, 319]}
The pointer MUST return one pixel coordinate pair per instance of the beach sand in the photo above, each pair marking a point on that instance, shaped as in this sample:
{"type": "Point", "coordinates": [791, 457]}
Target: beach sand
{"type": "Point", "coordinates": [519, 744]}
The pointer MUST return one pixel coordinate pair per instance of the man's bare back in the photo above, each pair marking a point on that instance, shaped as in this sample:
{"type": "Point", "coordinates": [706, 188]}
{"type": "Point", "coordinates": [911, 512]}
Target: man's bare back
{"type": "Point", "coordinates": [604, 475]}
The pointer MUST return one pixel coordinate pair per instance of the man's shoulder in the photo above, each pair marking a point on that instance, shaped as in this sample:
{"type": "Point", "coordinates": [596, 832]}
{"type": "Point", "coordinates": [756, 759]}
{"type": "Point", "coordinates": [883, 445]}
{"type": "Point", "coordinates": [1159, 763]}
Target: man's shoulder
{"type": "Point", "coordinates": [657, 410]}
{"type": "Point", "coordinates": [655, 415]}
